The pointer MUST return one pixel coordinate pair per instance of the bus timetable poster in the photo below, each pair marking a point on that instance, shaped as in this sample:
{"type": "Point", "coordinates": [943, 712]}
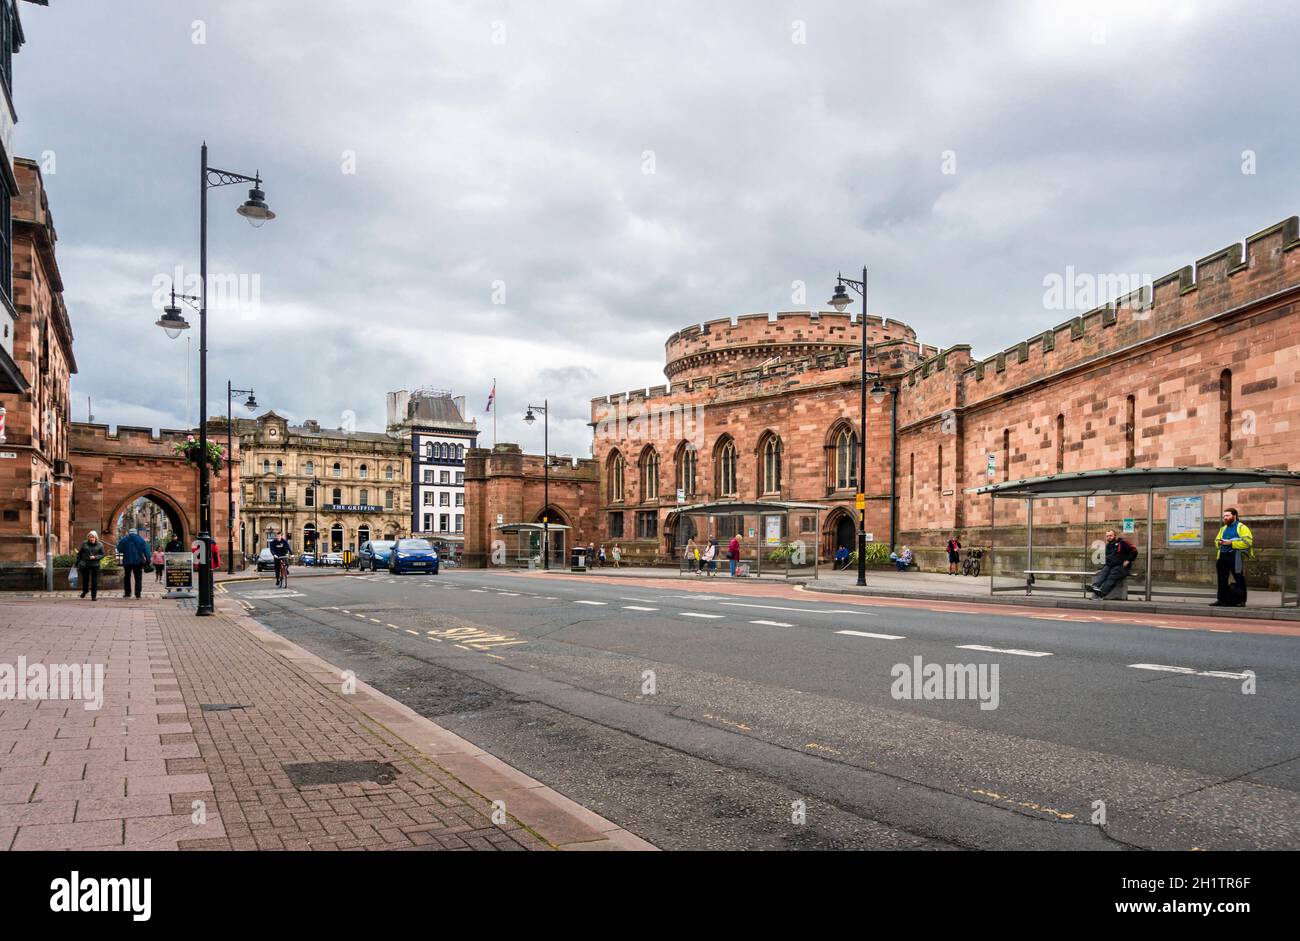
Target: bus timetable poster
{"type": "Point", "coordinates": [1186, 516]}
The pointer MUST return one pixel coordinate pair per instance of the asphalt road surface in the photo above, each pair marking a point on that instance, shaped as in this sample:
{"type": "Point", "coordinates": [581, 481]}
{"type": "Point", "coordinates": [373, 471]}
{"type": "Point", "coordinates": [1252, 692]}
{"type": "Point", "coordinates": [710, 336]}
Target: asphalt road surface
{"type": "Point", "coordinates": [709, 714]}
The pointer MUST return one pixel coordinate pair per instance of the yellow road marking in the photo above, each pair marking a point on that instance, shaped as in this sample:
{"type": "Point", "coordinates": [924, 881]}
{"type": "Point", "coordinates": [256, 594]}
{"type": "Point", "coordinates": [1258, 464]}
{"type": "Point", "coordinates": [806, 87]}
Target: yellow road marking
{"type": "Point", "coordinates": [734, 725]}
{"type": "Point", "coordinates": [409, 631]}
{"type": "Point", "coordinates": [1030, 805]}
{"type": "Point", "coordinates": [494, 656]}
{"type": "Point", "coordinates": [825, 748]}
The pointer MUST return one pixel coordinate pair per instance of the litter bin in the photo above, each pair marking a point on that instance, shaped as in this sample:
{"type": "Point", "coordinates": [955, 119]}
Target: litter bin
{"type": "Point", "coordinates": [578, 560]}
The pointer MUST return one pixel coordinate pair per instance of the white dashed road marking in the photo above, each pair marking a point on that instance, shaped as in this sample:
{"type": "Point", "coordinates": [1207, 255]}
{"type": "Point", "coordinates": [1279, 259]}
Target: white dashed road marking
{"type": "Point", "coordinates": [773, 623]}
{"type": "Point", "coordinates": [692, 614]}
{"type": "Point", "coordinates": [1188, 671]}
{"type": "Point", "coordinates": [637, 607]}
{"type": "Point", "coordinates": [873, 636]}
{"type": "Point", "coordinates": [591, 602]}
{"type": "Point", "coordinates": [773, 607]}
{"type": "Point", "coordinates": [1012, 651]}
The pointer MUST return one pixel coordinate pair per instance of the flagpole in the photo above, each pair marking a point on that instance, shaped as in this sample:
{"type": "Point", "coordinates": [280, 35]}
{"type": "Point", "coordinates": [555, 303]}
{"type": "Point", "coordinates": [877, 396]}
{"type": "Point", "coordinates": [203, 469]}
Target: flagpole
{"type": "Point", "coordinates": [494, 413]}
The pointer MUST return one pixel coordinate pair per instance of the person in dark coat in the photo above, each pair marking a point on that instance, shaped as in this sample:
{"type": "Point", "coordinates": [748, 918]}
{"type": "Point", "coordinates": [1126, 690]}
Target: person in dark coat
{"type": "Point", "coordinates": [1120, 554]}
{"type": "Point", "coordinates": [88, 558]}
{"type": "Point", "coordinates": [135, 553]}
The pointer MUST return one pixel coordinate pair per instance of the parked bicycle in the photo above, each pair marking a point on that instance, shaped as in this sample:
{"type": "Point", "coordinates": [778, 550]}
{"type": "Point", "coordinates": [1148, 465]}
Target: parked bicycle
{"type": "Point", "coordinates": [971, 564]}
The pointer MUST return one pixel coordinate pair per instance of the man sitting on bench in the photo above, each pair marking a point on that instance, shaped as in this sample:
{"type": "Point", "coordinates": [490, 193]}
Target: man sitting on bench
{"type": "Point", "coordinates": [1120, 554]}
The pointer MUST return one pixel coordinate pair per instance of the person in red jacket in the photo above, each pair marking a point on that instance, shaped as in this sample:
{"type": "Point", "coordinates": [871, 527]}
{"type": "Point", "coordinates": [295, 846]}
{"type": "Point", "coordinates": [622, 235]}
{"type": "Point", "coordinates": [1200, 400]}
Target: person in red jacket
{"type": "Point", "coordinates": [733, 553]}
{"type": "Point", "coordinates": [954, 554]}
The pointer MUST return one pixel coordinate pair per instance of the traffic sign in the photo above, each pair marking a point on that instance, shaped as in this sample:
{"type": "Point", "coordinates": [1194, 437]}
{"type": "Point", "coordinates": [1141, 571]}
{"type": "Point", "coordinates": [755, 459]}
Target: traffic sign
{"type": "Point", "coordinates": [862, 501]}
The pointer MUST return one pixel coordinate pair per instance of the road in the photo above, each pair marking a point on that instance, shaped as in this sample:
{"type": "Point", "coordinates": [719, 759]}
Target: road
{"type": "Point", "coordinates": [710, 714]}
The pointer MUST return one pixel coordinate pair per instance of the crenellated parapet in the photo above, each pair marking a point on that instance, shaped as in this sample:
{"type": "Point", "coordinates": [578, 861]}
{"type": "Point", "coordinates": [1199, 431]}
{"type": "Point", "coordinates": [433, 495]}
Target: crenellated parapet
{"type": "Point", "coordinates": [1218, 284]}
{"type": "Point", "coordinates": [752, 340]}
{"type": "Point", "coordinates": [137, 441]}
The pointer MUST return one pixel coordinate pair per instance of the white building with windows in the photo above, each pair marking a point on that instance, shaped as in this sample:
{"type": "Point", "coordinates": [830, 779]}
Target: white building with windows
{"type": "Point", "coordinates": [434, 423]}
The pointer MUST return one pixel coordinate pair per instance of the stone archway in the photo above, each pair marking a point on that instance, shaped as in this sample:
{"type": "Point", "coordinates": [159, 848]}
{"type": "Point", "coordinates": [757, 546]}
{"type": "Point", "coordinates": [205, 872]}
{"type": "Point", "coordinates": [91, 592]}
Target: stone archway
{"type": "Point", "coordinates": [113, 469]}
{"type": "Point", "coordinates": [153, 513]}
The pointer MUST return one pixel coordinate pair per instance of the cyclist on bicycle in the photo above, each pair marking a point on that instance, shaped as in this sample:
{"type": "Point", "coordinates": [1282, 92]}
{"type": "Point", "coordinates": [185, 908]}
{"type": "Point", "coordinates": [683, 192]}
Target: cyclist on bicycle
{"type": "Point", "coordinates": [280, 549]}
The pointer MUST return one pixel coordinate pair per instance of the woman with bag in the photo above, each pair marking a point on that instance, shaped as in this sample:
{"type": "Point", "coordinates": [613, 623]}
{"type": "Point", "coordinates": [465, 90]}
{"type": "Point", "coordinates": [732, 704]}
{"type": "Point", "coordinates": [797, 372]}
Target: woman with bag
{"type": "Point", "coordinates": [89, 556]}
{"type": "Point", "coordinates": [159, 563]}
{"type": "Point", "coordinates": [710, 556]}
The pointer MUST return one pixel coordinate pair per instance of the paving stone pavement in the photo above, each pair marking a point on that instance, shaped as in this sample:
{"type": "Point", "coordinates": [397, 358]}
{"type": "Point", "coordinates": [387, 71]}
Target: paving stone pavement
{"type": "Point", "coordinates": [152, 769]}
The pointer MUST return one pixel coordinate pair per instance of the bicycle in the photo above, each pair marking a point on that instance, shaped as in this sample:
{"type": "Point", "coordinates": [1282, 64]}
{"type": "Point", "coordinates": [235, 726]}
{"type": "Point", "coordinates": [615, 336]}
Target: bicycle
{"type": "Point", "coordinates": [971, 565]}
{"type": "Point", "coordinates": [282, 572]}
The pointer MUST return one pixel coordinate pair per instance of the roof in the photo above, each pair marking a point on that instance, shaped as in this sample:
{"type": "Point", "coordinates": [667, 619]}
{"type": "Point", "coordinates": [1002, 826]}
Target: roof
{"type": "Point", "coordinates": [434, 409]}
{"type": "Point", "coordinates": [1130, 480]}
{"type": "Point", "coordinates": [732, 507]}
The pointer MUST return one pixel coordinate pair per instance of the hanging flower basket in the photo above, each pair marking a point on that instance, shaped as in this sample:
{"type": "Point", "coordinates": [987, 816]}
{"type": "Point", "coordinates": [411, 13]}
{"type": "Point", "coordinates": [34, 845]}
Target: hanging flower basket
{"type": "Point", "coordinates": [191, 451]}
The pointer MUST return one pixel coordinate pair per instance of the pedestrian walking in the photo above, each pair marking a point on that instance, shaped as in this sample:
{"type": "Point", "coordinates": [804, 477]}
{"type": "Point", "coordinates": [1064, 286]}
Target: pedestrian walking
{"type": "Point", "coordinates": [602, 555]}
{"type": "Point", "coordinates": [159, 561]}
{"type": "Point", "coordinates": [135, 553]}
{"type": "Point", "coordinates": [954, 554]}
{"type": "Point", "coordinates": [89, 556]}
{"type": "Point", "coordinates": [1233, 545]}
{"type": "Point", "coordinates": [733, 553]}
{"type": "Point", "coordinates": [1120, 555]}
{"type": "Point", "coordinates": [842, 557]}
{"type": "Point", "coordinates": [175, 545]}
{"type": "Point", "coordinates": [618, 554]}
{"type": "Point", "coordinates": [711, 556]}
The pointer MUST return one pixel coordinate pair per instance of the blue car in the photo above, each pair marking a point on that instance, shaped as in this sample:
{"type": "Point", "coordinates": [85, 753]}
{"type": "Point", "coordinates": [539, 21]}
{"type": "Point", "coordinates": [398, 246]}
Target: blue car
{"type": "Point", "coordinates": [374, 554]}
{"type": "Point", "coordinates": [413, 555]}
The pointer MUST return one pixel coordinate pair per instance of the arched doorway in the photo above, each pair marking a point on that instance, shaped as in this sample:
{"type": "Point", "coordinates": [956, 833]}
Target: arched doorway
{"type": "Point", "coordinates": [558, 541]}
{"type": "Point", "coordinates": [682, 529]}
{"type": "Point", "coordinates": [363, 536]}
{"type": "Point", "coordinates": [336, 538]}
{"type": "Point", "coordinates": [841, 532]}
{"type": "Point", "coordinates": [152, 516]}
{"type": "Point", "coordinates": [309, 538]}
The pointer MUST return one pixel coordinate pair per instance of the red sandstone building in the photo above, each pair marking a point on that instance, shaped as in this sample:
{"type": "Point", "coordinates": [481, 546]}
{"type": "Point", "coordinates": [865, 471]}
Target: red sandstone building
{"type": "Point", "coordinates": [35, 474]}
{"type": "Point", "coordinates": [1201, 371]}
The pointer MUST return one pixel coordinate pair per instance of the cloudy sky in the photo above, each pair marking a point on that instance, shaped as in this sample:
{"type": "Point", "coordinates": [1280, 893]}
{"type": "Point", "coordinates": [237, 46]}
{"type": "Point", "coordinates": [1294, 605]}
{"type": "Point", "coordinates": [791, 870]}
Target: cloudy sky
{"type": "Point", "coordinates": [541, 193]}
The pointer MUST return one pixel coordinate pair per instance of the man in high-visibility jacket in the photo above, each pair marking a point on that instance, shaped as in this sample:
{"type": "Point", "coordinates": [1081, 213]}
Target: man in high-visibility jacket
{"type": "Point", "coordinates": [1234, 545]}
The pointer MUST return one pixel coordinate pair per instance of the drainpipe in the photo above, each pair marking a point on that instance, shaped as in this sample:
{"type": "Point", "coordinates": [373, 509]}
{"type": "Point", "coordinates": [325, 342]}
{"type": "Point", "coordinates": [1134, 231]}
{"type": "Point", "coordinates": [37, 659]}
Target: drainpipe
{"type": "Point", "coordinates": [893, 469]}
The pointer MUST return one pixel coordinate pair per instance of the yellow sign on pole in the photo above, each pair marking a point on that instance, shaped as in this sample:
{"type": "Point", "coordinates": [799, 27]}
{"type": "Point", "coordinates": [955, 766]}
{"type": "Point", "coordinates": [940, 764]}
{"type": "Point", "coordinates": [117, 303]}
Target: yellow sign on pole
{"type": "Point", "coordinates": [862, 501]}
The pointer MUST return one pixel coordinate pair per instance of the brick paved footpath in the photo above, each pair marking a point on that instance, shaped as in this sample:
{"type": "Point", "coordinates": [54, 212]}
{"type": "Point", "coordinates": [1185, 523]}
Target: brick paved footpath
{"type": "Point", "coordinates": [128, 775]}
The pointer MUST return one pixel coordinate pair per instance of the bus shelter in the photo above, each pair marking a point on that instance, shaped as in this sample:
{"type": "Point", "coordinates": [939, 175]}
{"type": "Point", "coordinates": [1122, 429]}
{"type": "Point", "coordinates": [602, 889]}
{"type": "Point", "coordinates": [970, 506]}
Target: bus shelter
{"type": "Point", "coordinates": [776, 537]}
{"type": "Point", "coordinates": [523, 544]}
{"type": "Point", "coordinates": [1181, 512]}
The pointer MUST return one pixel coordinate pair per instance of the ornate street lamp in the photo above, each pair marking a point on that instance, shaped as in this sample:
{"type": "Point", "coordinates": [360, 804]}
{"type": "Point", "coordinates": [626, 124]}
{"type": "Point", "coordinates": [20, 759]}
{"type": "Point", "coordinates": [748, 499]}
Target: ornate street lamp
{"type": "Point", "coordinates": [530, 418]}
{"type": "Point", "coordinates": [840, 300]}
{"type": "Point", "coordinates": [256, 212]}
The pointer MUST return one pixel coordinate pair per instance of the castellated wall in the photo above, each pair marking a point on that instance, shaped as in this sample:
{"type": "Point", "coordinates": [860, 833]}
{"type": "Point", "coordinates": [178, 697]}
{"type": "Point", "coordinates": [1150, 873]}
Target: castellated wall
{"type": "Point", "coordinates": [113, 468]}
{"type": "Point", "coordinates": [1201, 370]}
{"type": "Point", "coordinates": [752, 339]}
{"type": "Point", "coordinates": [1210, 361]}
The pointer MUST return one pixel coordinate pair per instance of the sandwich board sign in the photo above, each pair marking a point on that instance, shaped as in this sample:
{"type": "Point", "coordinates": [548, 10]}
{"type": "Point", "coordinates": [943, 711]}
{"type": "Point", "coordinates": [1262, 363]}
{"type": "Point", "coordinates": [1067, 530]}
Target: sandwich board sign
{"type": "Point", "coordinates": [179, 574]}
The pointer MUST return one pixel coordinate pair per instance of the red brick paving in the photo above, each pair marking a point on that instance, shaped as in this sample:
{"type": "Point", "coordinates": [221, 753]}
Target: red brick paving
{"type": "Point", "coordinates": [152, 770]}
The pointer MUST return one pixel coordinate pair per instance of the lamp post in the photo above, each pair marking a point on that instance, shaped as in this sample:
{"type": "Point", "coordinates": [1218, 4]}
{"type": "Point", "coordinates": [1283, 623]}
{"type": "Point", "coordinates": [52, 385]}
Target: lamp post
{"type": "Point", "coordinates": [315, 520]}
{"type": "Point", "coordinates": [255, 210]}
{"type": "Point", "coordinates": [841, 300]}
{"type": "Point", "coordinates": [251, 405]}
{"type": "Point", "coordinates": [546, 476]}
